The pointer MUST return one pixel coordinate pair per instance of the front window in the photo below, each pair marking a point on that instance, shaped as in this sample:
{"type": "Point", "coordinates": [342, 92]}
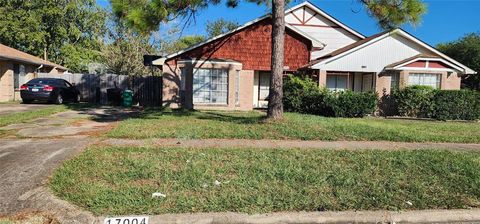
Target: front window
{"type": "Point", "coordinates": [337, 82]}
{"type": "Point", "coordinates": [210, 86]}
{"type": "Point", "coordinates": [424, 79]}
{"type": "Point", "coordinates": [395, 82]}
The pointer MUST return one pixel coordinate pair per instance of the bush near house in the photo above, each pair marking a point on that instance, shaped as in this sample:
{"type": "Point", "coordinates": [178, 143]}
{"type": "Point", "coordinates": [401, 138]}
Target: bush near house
{"type": "Point", "coordinates": [422, 101]}
{"type": "Point", "coordinates": [456, 105]}
{"type": "Point", "coordinates": [304, 96]}
{"type": "Point", "coordinates": [414, 101]}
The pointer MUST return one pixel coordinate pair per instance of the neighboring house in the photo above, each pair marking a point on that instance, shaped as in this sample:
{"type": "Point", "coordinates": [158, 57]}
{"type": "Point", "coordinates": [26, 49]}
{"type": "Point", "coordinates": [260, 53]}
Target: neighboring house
{"type": "Point", "coordinates": [17, 68]}
{"type": "Point", "coordinates": [232, 71]}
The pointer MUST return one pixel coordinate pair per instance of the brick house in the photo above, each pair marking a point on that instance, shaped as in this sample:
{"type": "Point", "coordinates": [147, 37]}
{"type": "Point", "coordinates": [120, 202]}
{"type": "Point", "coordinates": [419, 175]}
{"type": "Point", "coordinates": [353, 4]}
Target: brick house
{"type": "Point", "coordinates": [17, 68]}
{"type": "Point", "coordinates": [231, 71]}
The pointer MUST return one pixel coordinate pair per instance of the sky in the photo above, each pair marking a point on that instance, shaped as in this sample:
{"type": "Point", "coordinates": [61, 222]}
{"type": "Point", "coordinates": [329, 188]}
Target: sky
{"type": "Point", "coordinates": [446, 20]}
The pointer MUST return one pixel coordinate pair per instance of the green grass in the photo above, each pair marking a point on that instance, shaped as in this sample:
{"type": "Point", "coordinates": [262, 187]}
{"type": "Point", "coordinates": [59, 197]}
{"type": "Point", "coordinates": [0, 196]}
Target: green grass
{"type": "Point", "coordinates": [121, 180]}
{"type": "Point", "coordinates": [251, 125]}
{"type": "Point", "coordinates": [19, 117]}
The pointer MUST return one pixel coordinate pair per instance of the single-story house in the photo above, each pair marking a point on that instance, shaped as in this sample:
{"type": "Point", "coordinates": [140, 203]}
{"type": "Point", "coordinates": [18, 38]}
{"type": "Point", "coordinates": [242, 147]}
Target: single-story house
{"type": "Point", "coordinates": [232, 71]}
{"type": "Point", "coordinates": [17, 68]}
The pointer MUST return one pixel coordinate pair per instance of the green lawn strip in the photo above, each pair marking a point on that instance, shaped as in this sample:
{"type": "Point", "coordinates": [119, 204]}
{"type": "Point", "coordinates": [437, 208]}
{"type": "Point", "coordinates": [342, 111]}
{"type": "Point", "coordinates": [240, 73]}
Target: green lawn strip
{"type": "Point", "coordinates": [20, 117]}
{"type": "Point", "coordinates": [251, 125]}
{"type": "Point", "coordinates": [121, 180]}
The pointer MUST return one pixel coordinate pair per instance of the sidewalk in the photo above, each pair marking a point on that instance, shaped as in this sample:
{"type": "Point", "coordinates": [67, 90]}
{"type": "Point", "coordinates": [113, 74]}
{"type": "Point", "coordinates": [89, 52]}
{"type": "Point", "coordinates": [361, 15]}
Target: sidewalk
{"type": "Point", "coordinates": [285, 144]}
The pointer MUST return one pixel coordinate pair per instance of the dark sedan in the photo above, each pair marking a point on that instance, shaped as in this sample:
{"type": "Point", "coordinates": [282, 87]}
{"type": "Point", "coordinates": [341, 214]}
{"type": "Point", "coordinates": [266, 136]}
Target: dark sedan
{"type": "Point", "coordinates": [49, 89]}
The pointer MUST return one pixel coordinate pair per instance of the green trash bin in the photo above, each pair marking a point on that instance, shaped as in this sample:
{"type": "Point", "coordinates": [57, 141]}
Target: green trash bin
{"type": "Point", "coordinates": [127, 98]}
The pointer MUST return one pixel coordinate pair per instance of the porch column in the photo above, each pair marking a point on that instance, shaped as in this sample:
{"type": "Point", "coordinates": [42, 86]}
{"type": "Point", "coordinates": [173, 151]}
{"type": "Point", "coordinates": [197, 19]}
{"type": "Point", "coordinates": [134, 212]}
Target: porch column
{"type": "Point", "coordinates": [322, 78]}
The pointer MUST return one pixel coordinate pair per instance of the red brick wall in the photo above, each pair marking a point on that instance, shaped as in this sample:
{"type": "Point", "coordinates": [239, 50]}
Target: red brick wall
{"type": "Point", "coordinates": [252, 47]}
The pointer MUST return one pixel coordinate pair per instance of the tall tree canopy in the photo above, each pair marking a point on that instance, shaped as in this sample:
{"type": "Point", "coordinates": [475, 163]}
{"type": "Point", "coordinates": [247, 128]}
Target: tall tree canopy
{"type": "Point", "coordinates": [220, 26]}
{"type": "Point", "coordinates": [68, 32]}
{"type": "Point", "coordinates": [467, 51]}
{"type": "Point", "coordinates": [146, 15]}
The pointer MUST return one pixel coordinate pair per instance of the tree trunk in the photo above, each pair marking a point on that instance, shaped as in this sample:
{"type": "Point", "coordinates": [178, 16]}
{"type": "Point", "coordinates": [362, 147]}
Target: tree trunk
{"type": "Point", "coordinates": [275, 104]}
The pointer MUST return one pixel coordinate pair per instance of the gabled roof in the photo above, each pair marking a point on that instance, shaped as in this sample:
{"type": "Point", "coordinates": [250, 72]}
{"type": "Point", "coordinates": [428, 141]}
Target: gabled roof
{"type": "Point", "coordinates": [16, 55]}
{"type": "Point", "coordinates": [326, 15]}
{"type": "Point", "coordinates": [372, 39]}
{"type": "Point", "coordinates": [315, 42]}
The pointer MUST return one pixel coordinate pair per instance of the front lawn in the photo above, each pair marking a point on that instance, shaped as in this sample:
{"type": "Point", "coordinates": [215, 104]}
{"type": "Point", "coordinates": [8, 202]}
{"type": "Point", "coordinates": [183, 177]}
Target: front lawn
{"type": "Point", "coordinates": [121, 180]}
{"type": "Point", "coordinates": [19, 117]}
{"type": "Point", "coordinates": [251, 125]}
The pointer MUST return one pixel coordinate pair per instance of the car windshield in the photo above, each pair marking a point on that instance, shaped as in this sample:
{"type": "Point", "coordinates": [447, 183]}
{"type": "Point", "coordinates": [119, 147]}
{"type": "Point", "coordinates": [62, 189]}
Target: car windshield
{"type": "Point", "coordinates": [43, 81]}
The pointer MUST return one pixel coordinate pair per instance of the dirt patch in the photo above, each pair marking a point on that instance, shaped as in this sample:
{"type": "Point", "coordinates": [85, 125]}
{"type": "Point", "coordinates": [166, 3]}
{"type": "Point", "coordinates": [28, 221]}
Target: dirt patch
{"type": "Point", "coordinates": [30, 217]}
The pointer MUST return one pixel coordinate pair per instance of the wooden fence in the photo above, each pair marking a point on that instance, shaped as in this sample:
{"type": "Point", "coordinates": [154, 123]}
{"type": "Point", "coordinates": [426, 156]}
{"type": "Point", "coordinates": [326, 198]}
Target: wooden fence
{"type": "Point", "coordinates": [147, 91]}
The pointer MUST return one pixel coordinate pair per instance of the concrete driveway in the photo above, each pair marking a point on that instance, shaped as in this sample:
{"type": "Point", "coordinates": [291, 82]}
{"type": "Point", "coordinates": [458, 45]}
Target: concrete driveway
{"type": "Point", "coordinates": [31, 151]}
{"type": "Point", "coordinates": [7, 108]}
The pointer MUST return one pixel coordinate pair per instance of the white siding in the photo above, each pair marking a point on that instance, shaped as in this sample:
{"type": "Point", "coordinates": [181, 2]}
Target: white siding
{"type": "Point", "coordinates": [330, 33]}
{"type": "Point", "coordinates": [375, 56]}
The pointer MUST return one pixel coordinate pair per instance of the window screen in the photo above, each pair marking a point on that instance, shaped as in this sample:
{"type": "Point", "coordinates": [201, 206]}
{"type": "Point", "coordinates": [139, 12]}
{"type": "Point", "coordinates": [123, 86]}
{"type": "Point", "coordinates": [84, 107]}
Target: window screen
{"type": "Point", "coordinates": [337, 82]}
{"type": "Point", "coordinates": [395, 81]}
{"type": "Point", "coordinates": [424, 79]}
{"type": "Point", "coordinates": [210, 86]}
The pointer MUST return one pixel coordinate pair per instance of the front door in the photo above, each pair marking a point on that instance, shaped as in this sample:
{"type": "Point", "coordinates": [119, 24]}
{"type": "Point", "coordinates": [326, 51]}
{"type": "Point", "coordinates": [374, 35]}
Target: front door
{"type": "Point", "coordinates": [261, 89]}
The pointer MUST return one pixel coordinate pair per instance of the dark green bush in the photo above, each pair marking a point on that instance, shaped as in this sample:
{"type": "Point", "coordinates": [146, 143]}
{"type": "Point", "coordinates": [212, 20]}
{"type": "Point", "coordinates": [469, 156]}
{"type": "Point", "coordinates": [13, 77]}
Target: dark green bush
{"type": "Point", "coordinates": [351, 104]}
{"type": "Point", "coordinates": [423, 101]}
{"type": "Point", "coordinates": [304, 96]}
{"type": "Point", "coordinates": [296, 90]}
{"type": "Point", "coordinates": [414, 101]}
{"type": "Point", "coordinates": [456, 105]}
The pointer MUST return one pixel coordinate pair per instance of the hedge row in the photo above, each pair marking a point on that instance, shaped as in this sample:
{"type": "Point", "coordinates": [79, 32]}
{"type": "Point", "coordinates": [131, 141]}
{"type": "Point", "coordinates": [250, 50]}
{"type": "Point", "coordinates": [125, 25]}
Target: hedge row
{"type": "Point", "coordinates": [422, 101]}
{"type": "Point", "coordinates": [304, 96]}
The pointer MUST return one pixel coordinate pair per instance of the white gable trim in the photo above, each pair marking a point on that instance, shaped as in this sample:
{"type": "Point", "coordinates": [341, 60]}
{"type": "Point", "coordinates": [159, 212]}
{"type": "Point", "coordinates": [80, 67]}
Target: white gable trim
{"type": "Point", "coordinates": [452, 62]}
{"type": "Point", "coordinates": [427, 60]}
{"type": "Point", "coordinates": [466, 69]}
{"type": "Point", "coordinates": [326, 15]}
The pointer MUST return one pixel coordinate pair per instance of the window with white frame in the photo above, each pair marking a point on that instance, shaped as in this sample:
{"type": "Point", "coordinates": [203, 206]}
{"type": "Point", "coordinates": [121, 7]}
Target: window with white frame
{"type": "Point", "coordinates": [424, 79]}
{"type": "Point", "coordinates": [210, 86]}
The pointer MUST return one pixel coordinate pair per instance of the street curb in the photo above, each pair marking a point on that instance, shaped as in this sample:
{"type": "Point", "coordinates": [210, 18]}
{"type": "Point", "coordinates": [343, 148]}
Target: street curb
{"type": "Point", "coordinates": [420, 216]}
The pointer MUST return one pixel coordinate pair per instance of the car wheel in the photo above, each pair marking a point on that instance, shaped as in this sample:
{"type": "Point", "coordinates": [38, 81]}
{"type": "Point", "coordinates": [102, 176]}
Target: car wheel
{"type": "Point", "coordinates": [77, 99]}
{"type": "Point", "coordinates": [26, 101]}
{"type": "Point", "coordinates": [59, 99]}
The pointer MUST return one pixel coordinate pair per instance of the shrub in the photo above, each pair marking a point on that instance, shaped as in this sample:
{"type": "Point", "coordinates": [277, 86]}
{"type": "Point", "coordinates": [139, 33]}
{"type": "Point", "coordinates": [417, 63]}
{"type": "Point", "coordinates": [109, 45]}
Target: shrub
{"type": "Point", "coordinates": [456, 104]}
{"type": "Point", "coordinates": [351, 104]}
{"type": "Point", "coordinates": [304, 96]}
{"type": "Point", "coordinates": [296, 90]}
{"type": "Point", "coordinates": [414, 101]}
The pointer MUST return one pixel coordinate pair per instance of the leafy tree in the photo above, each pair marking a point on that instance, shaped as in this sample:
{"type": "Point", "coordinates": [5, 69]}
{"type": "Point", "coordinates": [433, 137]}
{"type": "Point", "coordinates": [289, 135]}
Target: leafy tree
{"type": "Point", "coordinates": [467, 51]}
{"type": "Point", "coordinates": [181, 43]}
{"type": "Point", "coordinates": [123, 55]}
{"type": "Point", "coordinates": [220, 26]}
{"type": "Point", "coordinates": [147, 16]}
{"type": "Point", "coordinates": [68, 32]}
